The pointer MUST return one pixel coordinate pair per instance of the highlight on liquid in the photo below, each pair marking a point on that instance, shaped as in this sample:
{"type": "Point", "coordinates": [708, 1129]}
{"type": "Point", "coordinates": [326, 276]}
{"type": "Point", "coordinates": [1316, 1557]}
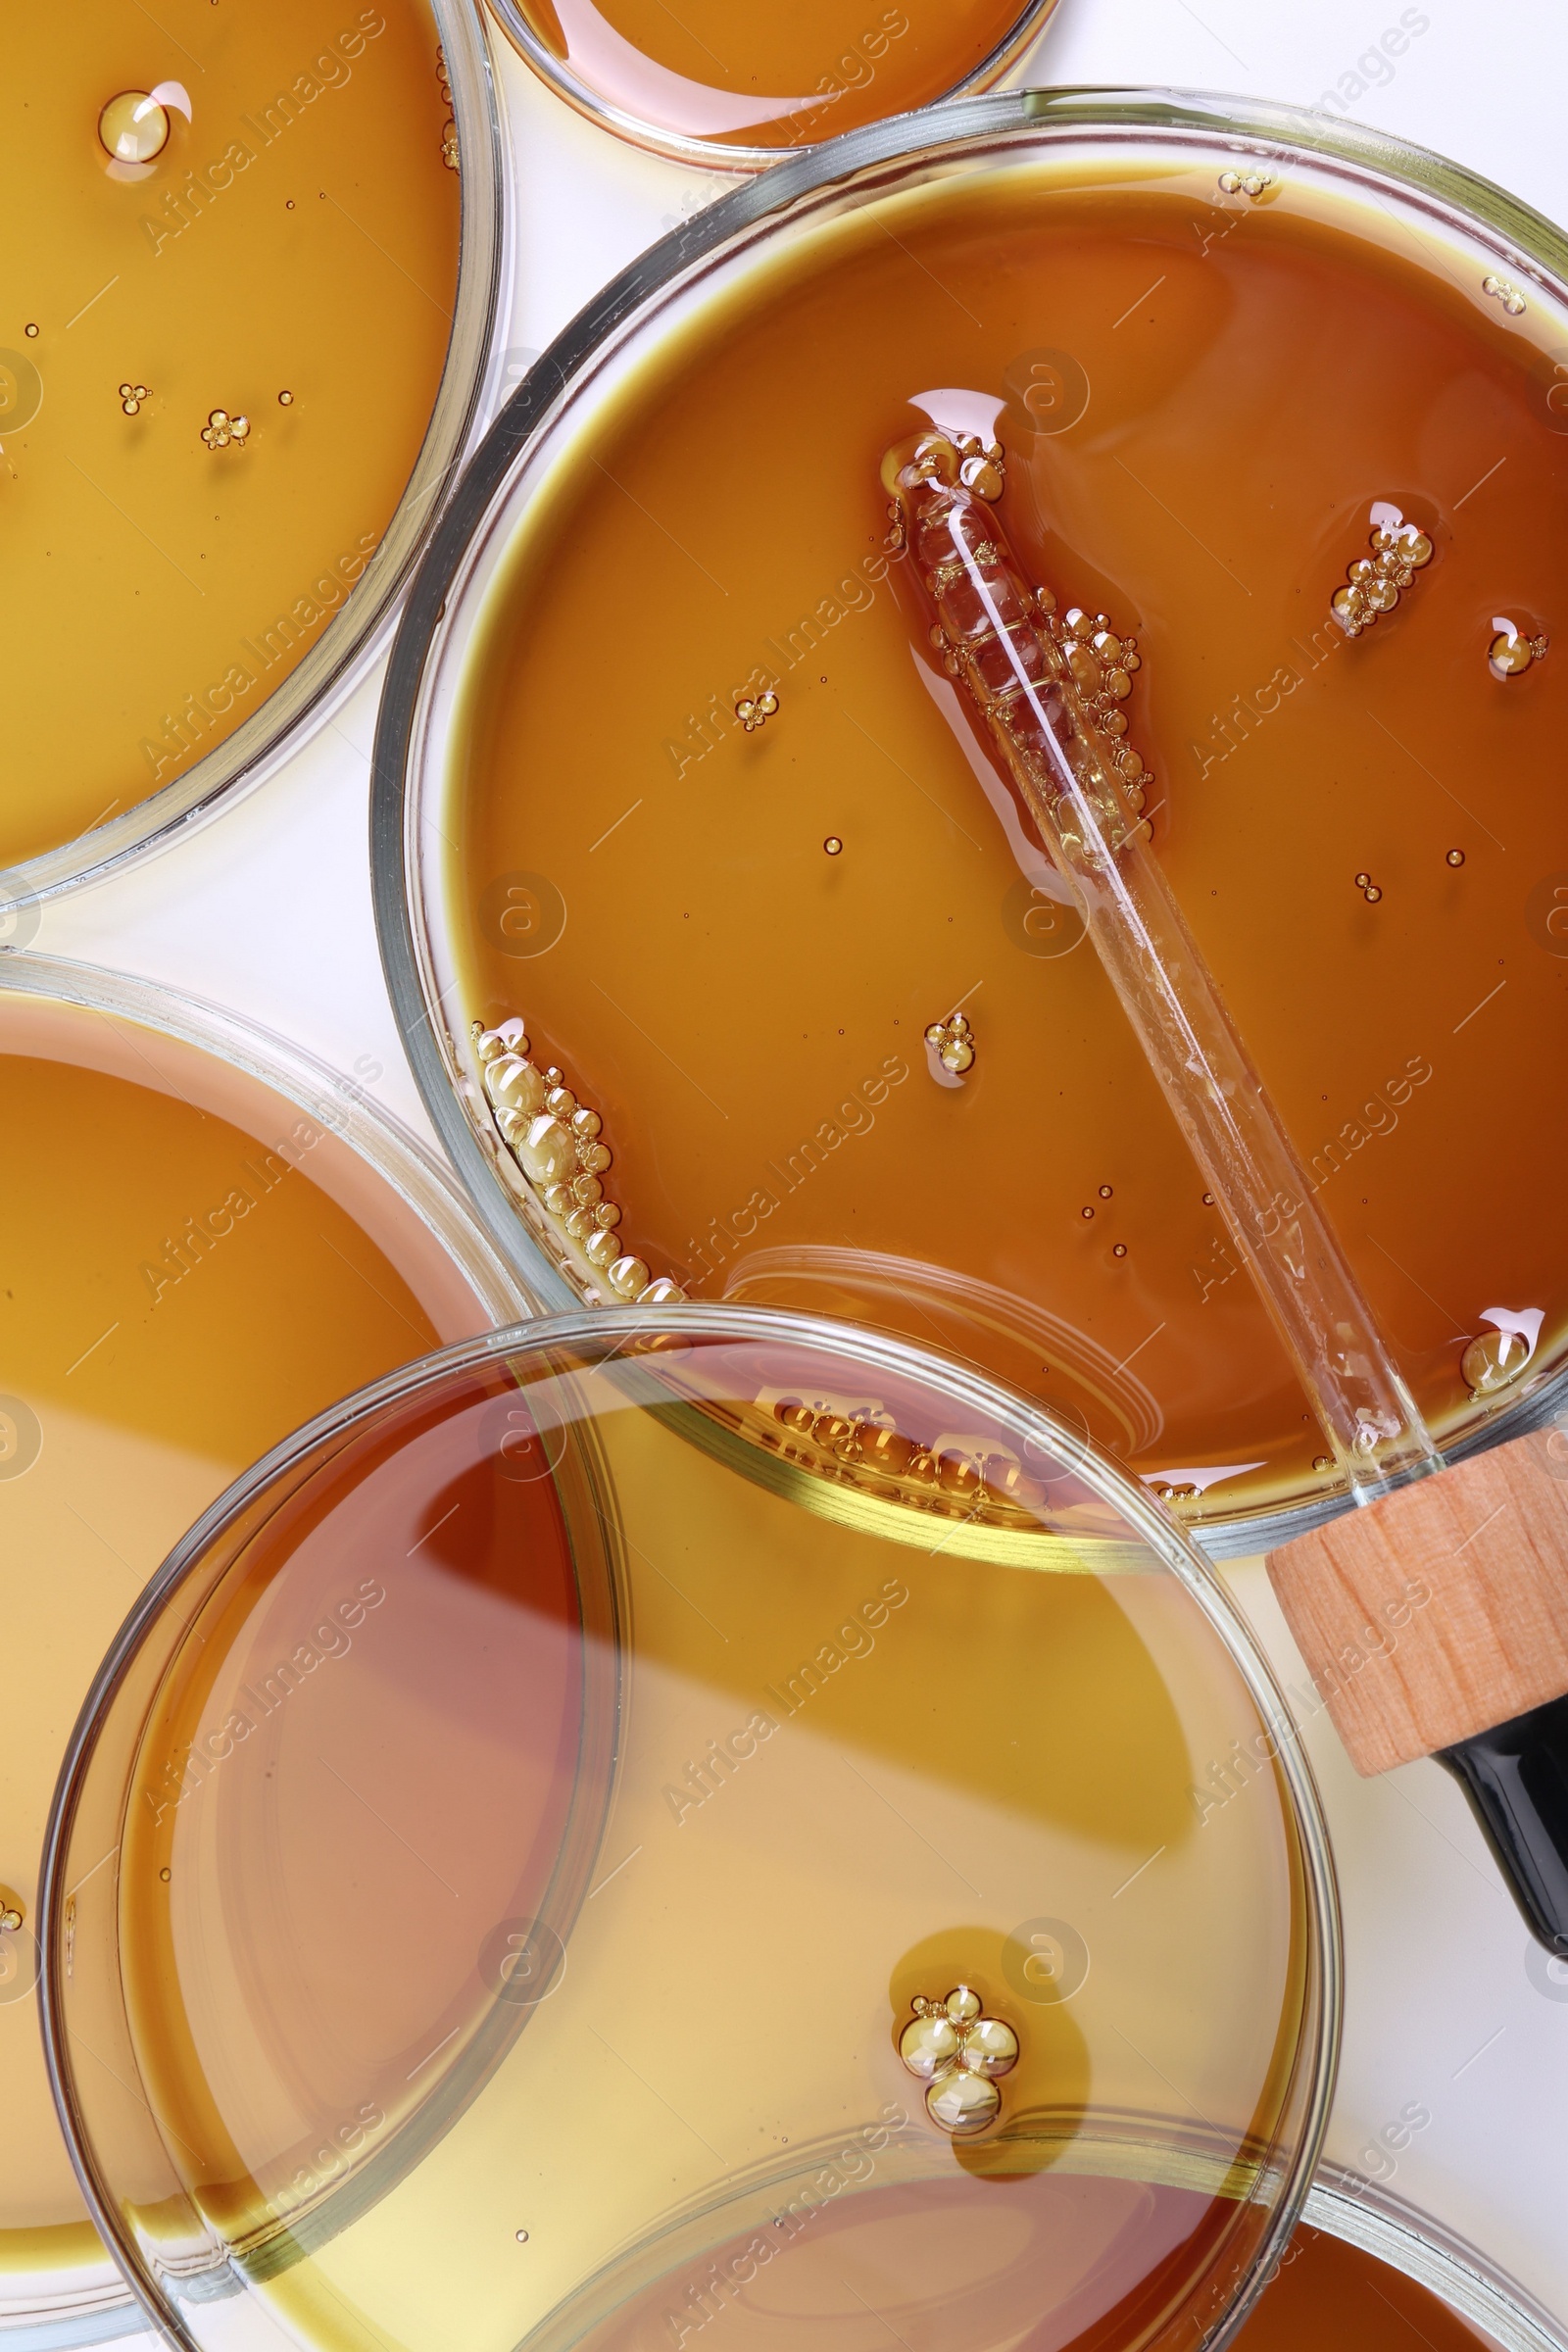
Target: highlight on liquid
{"type": "Point", "coordinates": [232, 275]}
{"type": "Point", "coordinates": [192, 1265]}
{"type": "Point", "coordinates": [684, 1761]}
{"type": "Point", "coordinates": [827, 1002]}
{"type": "Point", "coordinates": [777, 75]}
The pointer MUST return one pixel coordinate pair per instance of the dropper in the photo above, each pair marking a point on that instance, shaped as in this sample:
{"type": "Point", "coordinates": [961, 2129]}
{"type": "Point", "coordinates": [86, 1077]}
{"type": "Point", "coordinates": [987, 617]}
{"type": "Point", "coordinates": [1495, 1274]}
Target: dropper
{"type": "Point", "coordinates": [992, 631]}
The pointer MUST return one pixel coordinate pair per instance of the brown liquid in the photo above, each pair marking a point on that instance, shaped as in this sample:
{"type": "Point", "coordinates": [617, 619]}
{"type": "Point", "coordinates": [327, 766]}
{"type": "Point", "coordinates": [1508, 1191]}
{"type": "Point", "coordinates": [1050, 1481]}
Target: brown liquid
{"type": "Point", "coordinates": [298, 237]}
{"type": "Point", "coordinates": [1328, 2292]}
{"type": "Point", "coordinates": [191, 1267]}
{"type": "Point", "coordinates": [762, 925]}
{"type": "Point", "coordinates": [850, 1764]}
{"type": "Point", "coordinates": [779, 74]}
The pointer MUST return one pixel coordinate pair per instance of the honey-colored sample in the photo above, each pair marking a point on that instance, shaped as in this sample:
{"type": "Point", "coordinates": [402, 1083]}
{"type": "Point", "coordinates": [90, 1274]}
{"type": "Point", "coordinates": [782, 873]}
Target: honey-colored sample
{"type": "Point", "coordinates": [287, 257]}
{"type": "Point", "coordinates": [190, 1267]}
{"type": "Point", "coordinates": [1164, 361]}
{"type": "Point", "coordinates": [1328, 2292]}
{"type": "Point", "coordinates": [777, 73]}
{"type": "Point", "coordinates": [650, 1748]}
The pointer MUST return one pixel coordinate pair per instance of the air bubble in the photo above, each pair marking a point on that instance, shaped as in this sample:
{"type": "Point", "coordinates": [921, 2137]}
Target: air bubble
{"type": "Point", "coordinates": [1455, 858]}
{"type": "Point", "coordinates": [1322, 1461]}
{"type": "Point", "coordinates": [133, 127]}
{"type": "Point", "coordinates": [1488, 1364]}
{"type": "Point", "coordinates": [833, 845]}
{"type": "Point", "coordinates": [1104, 1192]}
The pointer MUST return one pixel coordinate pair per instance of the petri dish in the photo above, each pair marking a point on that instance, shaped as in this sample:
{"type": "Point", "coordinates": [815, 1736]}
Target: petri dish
{"type": "Point", "coordinates": [249, 331]}
{"type": "Point", "coordinates": [734, 1703]}
{"type": "Point", "coordinates": [1364, 2266]}
{"type": "Point", "coordinates": [668, 777]}
{"type": "Point", "coordinates": [736, 91]}
{"type": "Point", "coordinates": [207, 1238]}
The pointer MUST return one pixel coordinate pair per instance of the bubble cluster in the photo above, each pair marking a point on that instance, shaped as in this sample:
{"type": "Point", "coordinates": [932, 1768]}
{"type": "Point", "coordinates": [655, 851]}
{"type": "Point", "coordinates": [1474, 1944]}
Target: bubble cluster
{"type": "Point", "coordinates": [959, 2053]}
{"type": "Point", "coordinates": [222, 432]}
{"type": "Point", "coordinates": [1511, 653]}
{"type": "Point", "coordinates": [1245, 184]}
{"type": "Point", "coordinates": [1368, 889]}
{"type": "Point", "coordinates": [132, 397]}
{"type": "Point", "coordinates": [1375, 582]}
{"type": "Point", "coordinates": [953, 1043]}
{"type": "Point", "coordinates": [754, 711]}
{"type": "Point", "coordinates": [555, 1141]}
{"type": "Point", "coordinates": [1501, 290]}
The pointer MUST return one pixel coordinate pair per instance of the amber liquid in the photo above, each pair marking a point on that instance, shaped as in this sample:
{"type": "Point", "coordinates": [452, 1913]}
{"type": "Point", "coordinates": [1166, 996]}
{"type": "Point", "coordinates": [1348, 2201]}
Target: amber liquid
{"type": "Point", "coordinates": [1326, 2292]}
{"type": "Point", "coordinates": [781, 75]}
{"type": "Point", "coordinates": [290, 256]}
{"type": "Point", "coordinates": [765, 1774]}
{"type": "Point", "coordinates": [1200, 396]}
{"type": "Point", "coordinates": [191, 1267]}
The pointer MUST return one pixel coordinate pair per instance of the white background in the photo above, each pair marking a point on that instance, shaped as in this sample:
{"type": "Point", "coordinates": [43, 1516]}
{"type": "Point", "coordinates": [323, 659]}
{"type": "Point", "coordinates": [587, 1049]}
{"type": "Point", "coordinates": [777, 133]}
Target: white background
{"type": "Point", "coordinates": [268, 910]}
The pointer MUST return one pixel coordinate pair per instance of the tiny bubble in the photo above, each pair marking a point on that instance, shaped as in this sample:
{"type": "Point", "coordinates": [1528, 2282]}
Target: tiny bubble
{"type": "Point", "coordinates": [30, 328]}
{"type": "Point", "coordinates": [1322, 1461]}
{"type": "Point", "coordinates": [522, 2238]}
{"type": "Point", "coordinates": [1372, 894]}
{"type": "Point", "coordinates": [1209, 1198]}
{"type": "Point", "coordinates": [1363, 881]}
{"type": "Point", "coordinates": [833, 845]}
{"type": "Point", "coordinates": [286, 399]}
{"type": "Point", "coordinates": [164, 1872]}
{"type": "Point", "coordinates": [1085, 1213]}
{"type": "Point", "coordinates": [1456, 856]}
{"type": "Point", "coordinates": [1104, 1192]}
{"type": "Point", "coordinates": [1120, 1249]}
{"type": "Point", "coordinates": [288, 204]}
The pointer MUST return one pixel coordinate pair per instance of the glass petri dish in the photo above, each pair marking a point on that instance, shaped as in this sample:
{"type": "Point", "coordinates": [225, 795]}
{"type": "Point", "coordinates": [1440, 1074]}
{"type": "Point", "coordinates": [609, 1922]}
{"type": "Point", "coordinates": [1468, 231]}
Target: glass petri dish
{"type": "Point", "coordinates": [1360, 2255]}
{"type": "Point", "coordinates": [736, 91]}
{"type": "Point", "coordinates": [250, 330]}
{"type": "Point", "coordinates": [724, 1705]}
{"type": "Point", "coordinates": [207, 1239]}
{"type": "Point", "coordinates": [734, 928]}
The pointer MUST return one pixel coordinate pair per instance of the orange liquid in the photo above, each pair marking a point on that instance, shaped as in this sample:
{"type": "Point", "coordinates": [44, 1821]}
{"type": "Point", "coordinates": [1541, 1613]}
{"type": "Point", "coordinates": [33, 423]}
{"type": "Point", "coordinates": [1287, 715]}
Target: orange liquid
{"type": "Point", "coordinates": [780, 74]}
{"type": "Point", "coordinates": [1328, 2292]}
{"type": "Point", "coordinates": [302, 220]}
{"type": "Point", "coordinates": [192, 1267]}
{"type": "Point", "coordinates": [759, 927]}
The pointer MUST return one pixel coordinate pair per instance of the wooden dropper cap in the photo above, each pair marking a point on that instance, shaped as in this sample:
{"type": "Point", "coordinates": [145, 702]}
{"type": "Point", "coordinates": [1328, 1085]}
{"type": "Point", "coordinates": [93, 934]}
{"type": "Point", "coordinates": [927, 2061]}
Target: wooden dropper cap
{"type": "Point", "coordinates": [1440, 1610]}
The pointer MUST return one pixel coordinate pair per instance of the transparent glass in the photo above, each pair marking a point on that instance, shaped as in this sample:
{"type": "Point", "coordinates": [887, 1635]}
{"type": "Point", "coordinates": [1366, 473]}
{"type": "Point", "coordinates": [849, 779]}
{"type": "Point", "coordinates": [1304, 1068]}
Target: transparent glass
{"type": "Point", "coordinates": [1021, 681]}
{"type": "Point", "coordinates": [241, 214]}
{"type": "Point", "coordinates": [643, 1045]}
{"type": "Point", "coordinates": [209, 1238]}
{"type": "Point", "coordinates": [660, 81]}
{"type": "Point", "coordinates": [1357, 2235]}
{"type": "Point", "coordinates": [512, 1844]}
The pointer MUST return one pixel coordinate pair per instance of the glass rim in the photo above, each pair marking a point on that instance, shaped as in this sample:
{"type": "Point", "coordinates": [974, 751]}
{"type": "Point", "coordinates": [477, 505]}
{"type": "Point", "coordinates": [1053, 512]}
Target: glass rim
{"type": "Point", "coordinates": [421, 1179]}
{"type": "Point", "coordinates": [1526, 243]}
{"type": "Point", "coordinates": [720, 155]}
{"type": "Point", "coordinates": [88, 2303]}
{"type": "Point", "coordinates": [335, 665]}
{"type": "Point", "coordinates": [1360, 2213]}
{"type": "Point", "coordinates": [601, 1333]}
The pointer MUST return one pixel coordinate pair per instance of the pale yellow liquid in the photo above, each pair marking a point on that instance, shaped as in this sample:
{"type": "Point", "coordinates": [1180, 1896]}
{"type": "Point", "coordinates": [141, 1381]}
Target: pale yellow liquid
{"type": "Point", "coordinates": [1003, 1730]}
{"type": "Point", "coordinates": [151, 1389]}
{"type": "Point", "coordinates": [297, 238]}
